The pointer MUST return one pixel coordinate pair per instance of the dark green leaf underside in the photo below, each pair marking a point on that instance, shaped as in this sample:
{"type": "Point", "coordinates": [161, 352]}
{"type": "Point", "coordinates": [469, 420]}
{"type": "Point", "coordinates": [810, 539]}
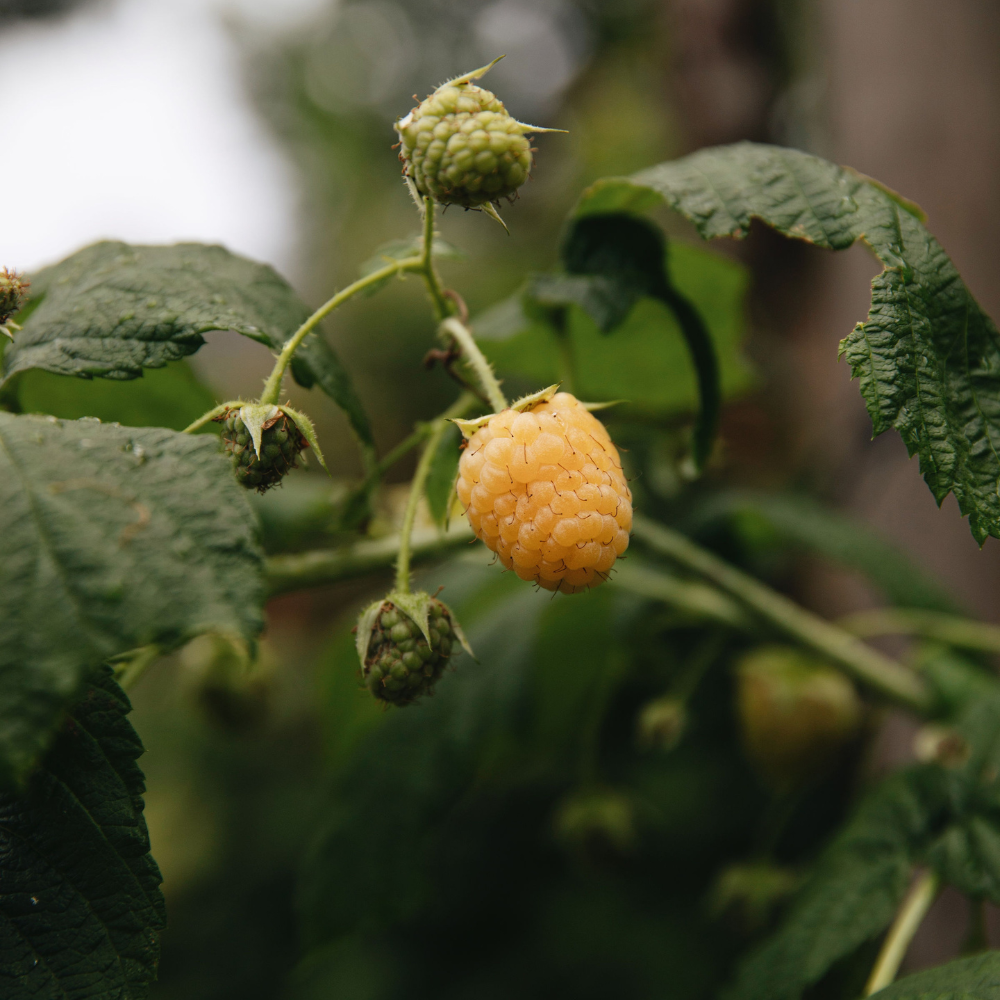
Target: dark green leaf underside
{"type": "Point", "coordinates": [116, 538]}
{"type": "Point", "coordinates": [851, 898]}
{"type": "Point", "coordinates": [976, 978]}
{"type": "Point", "coordinates": [111, 310]}
{"type": "Point", "coordinates": [81, 909]}
{"type": "Point", "coordinates": [928, 357]}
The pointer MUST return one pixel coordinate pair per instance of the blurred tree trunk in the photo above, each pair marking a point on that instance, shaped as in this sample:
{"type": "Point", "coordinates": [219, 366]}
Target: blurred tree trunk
{"type": "Point", "coordinates": [909, 93]}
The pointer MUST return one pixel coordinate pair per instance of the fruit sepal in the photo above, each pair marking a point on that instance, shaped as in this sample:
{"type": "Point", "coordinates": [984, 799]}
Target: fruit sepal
{"type": "Point", "coordinates": [404, 641]}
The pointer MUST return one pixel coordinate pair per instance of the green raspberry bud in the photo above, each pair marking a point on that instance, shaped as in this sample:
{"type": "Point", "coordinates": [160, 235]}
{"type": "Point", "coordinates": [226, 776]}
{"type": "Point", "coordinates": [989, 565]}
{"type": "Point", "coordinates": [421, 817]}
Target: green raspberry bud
{"type": "Point", "coordinates": [596, 823]}
{"type": "Point", "coordinates": [661, 724]}
{"type": "Point", "coordinates": [12, 289]}
{"type": "Point", "coordinates": [264, 441]}
{"type": "Point", "coordinates": [404, 645]}
{"type": "Point", "coordinates": [796, 713]}
{"type": "Point", "coordinates": [461, 147]}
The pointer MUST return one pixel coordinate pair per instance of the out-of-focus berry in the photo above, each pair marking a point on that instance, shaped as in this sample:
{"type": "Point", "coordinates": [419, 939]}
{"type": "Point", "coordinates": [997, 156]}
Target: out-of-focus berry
{"type": "Point", "coordinates": [544, 489]}
{"type": "Point", "coordinates": [796, 713]}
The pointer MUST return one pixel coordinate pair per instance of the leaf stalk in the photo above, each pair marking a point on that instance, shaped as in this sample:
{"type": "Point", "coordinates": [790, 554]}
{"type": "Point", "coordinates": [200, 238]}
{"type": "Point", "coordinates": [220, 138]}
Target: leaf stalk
{"type": "Point", "coordinates": [909, 918]}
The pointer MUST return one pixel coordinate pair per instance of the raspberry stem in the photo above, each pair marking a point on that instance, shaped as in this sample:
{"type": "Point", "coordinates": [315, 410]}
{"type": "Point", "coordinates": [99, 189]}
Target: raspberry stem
{"type": "Point", "coordinates": [907, 922]}
{"type": "Point", "coordinates": [477, 361]}
{"type": "Point", "coordinates": [862, 661]}
{"type": "Point", "coordinates": [438, 428]}
{"type": "Point", "coordinates": [320, 567]}
{"type": "Point", "coordinates": [272, 387]}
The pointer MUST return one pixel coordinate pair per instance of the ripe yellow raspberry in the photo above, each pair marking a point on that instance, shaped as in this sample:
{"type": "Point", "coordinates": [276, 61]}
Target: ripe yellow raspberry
{"type": "Point", "coordinates": [544, 489]}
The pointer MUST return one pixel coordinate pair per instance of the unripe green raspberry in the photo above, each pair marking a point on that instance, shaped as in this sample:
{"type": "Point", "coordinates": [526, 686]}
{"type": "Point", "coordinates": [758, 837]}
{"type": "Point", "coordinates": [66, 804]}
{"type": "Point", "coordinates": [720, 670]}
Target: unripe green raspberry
{"type": "Point", "coordinates": [796, 713]}
{"type": "Point", "coordinates": [12, 289]}
{"type": "Point", "coordinates": [281, 443]}
{"type": "Point", "coordinates": [264, 441]}
{"type": "Point", "coordinates": [404, 643]}
{"type": "Point", "coordinates": [461, 147]}
{"type": "Point", "coordinates": [661, 724]}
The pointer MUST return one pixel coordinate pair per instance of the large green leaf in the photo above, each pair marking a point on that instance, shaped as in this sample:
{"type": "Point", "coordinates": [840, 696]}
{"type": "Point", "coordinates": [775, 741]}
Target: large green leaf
{"type": "Point", "coordinates": [81, 910]}
{"type": "Point", "coordinates": [852, 896]}
{"type": "Point", "coordinates": [163, 397]}
{"type": "Point", "coordinates": [629, 254]}
{"type": "Point", "coordinates": [114, 538]}
{"type": "Point", "coordinates": [928, 357]}
{"type": "Point", "coordinates": [645, 361]}
{"type": "Point", "coordinates": [976, 978]}
{"type": "Point", "coordinates": [111, 310]}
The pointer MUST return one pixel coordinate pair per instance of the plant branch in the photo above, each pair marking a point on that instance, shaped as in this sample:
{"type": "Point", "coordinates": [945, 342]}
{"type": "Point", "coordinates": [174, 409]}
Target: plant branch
{"type": "Point", "coordinates": [911, 914]}
{"type": "Point", "coordinates": [866, 664]}
{"type": "Point", "coordinates": [477, 361]}
{"type": "Point", "coordinates": [272, 387]}
{"type": "Point", "coordinates": [952, 630]}
{"type": "Point", "coordinates": [438, 428]}
{"type": "Point", "coordinates": [443, 306]}
{"type": "Point", "coordinates": [325, 566]}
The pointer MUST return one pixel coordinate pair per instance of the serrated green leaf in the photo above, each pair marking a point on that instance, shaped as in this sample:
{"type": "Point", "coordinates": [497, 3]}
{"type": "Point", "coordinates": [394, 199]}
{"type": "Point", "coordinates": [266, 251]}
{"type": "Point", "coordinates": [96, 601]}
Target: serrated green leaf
{"type": "Point", "coordinates": [440, 487]}
{"type": "Point", "coordinates": [111, 310]}
{"type": "Point", "coordinates": [852, 895]}
{"type": "Point", "coordinates": [927, 357]}
{"type": "Point", "coordinates": [81, 910]}
{"type": "Point", "coordinates": [976, 978]}
{"type": "Point", "coordinates": [114, 538]}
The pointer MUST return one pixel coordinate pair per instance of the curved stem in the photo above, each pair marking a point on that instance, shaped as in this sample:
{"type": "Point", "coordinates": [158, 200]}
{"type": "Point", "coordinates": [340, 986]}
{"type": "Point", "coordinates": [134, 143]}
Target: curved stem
{"type": "Point", "coordinates": [443, 306]}
{"type": "Point", "coordinates": [866, 664]}
{"type": "Point", "coordinates": [911, 914]}
{"type": "Point", "coordinates": [413, 501]}
{"type": "Point", "coordinates": [477, 361]}
{"type": "Point", "coordinates": [272, 387]}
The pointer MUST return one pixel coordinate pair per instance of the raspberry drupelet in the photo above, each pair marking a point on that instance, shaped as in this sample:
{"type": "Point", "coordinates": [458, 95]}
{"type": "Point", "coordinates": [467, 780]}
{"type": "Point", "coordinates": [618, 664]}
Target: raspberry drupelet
{"type": "Point", "coordinates": [544, 489]}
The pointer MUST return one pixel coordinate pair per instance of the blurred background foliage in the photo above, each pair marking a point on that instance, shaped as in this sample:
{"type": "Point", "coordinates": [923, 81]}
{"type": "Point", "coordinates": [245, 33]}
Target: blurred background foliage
{"type": "Point", "coordinates": [582, 812]}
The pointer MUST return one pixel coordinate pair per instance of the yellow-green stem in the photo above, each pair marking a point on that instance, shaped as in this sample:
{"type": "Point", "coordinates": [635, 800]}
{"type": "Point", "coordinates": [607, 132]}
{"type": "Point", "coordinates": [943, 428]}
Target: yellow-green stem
{"type": "Point", "coordinates": [443, 306]}
{"type": "Point", "coordinates": [868, 665]}
{"type": "Point", "coordinates": [413, 501]}
{"type": "Point", "coordinates": [908, 919]}
{"type": "Point", "coordinates": [477, 362]}
{"type": "Point", "coordinates": [272, 387]}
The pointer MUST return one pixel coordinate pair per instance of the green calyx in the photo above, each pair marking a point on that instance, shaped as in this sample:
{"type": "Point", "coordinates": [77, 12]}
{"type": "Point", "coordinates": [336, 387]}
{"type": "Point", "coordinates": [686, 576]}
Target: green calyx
{"type": "Point", "coordinates": [404, 643]}
{"type": "Point", "coordinates": [264, 441]}
{"type": "Point", "coordinates": [461, 147]}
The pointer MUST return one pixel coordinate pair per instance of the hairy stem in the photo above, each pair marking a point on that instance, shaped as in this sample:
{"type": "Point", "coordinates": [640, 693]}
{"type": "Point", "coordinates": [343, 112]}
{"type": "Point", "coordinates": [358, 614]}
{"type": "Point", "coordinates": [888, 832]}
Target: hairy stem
{"type": "Point", "coordinates": [866, 664]}
{"type": "Point", "coordinates": [477, 361]}
{"type": "Point", "coordinates": [459, 408]}
{"type": "Point", "coordinates": [416, 492]}
{"type": "Point", "coordinates": [272, 387]}
{"type": "Point", "coordinates": [443, 306]}
{"type": "Point", "coordinates": [908, 919]}
{"type": "Point", "coordinates": [299, 571]}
